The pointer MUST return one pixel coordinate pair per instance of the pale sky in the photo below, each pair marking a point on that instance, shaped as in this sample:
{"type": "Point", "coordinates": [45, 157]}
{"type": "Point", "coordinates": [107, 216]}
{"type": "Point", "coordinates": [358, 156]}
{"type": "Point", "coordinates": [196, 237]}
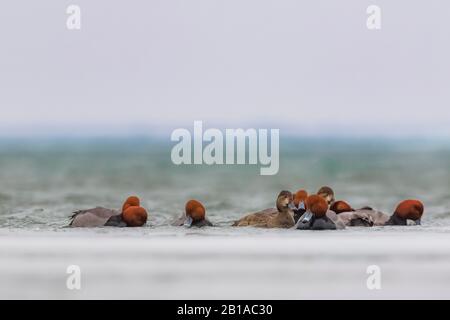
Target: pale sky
{"type": "Point", "coordinates": [306, 67]}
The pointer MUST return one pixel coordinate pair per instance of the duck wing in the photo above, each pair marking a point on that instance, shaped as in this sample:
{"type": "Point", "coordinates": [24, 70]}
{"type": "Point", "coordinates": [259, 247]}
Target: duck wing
{"type": "Point", "coordinates": [95, 217]}
{"type": "Point", "coordinates": [351, 218]}
{"type": "Point", "coordinates": [362, 218]}
{"type": "Point", "coordinates": [379, 218]}
{"type": "Point", "coordinates": [259, 218]}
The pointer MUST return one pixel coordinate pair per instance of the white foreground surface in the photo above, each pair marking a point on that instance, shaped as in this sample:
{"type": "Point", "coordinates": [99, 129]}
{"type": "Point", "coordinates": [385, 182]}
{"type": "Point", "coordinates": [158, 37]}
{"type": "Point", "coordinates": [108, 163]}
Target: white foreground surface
{"type": "Point", "coordinates": [288, 264]}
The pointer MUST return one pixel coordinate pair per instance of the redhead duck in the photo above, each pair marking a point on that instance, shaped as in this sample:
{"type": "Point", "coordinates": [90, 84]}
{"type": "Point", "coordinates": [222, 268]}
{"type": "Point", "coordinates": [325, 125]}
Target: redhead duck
{"type": "Point", "coordinates": [405, 210]}
{"type": "Point", "coordinates": [132, 215]}
{"type": "Point", "coordinates": [282, 217]}
{"type": "Point", "coordinates": [342, 213]}
{"type": "Point", "coordinates": [132, 201]}
{"type": "Point", "coordinates": [194, 216]}
{"type": "Point", "coordinates": [341, 206]}
{"type": "Point", "coordinates": [315, 217]}
{"type": "Point", "coordinates": [327, 193]}
{"type": "Point", "coordinates": [300, 204]}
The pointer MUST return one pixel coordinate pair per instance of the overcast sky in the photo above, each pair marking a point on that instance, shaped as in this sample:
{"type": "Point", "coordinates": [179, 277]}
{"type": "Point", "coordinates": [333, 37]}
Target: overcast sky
{"type": "Point", "coordinates": [306, 67]}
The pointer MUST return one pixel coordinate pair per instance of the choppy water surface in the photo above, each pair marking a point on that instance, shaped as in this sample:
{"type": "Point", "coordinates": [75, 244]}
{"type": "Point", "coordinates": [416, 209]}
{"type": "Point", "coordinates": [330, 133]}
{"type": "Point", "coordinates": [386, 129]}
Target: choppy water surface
{"type": "Point", "coordinates": [42, 182]}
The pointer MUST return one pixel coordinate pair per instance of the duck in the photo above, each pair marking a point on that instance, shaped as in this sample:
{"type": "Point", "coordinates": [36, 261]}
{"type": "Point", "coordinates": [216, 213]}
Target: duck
{"type": "Point", "coordinates": [131, 215]}
{"type": "Point", "coordinates": [300, 203]}
{"type": "Point", "coordinates": [194, 216]}
{"type": "Point", "coordinates": [327, 193]}
{"type": "Point", "coordinates": [341, 206]}
{"type": "Point", "coordinates": [281, 217]}
{"type": "Point", "coordinates": [410, 209]}
{"type": "Point", "coordinates": [354, 218]}
{"type": "Point", "coordinates": [315, 217]}
{"type": "Point", "coordinates": [342, 213]}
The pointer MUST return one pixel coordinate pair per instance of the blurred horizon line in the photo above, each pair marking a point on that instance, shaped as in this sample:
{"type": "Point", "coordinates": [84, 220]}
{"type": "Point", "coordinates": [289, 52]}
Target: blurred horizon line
{"type": "Point", "coordinates": [289, 130]}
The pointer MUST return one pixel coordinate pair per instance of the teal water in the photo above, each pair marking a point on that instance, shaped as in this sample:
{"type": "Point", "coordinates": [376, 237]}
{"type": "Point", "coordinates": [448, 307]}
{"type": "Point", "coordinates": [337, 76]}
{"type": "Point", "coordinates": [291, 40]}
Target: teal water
{"type": "Point", "coordinates": [43, 181]}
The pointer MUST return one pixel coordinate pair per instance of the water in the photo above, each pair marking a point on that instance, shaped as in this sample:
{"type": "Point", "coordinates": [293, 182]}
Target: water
{"type": "Point", "coordinates": [43, 181]}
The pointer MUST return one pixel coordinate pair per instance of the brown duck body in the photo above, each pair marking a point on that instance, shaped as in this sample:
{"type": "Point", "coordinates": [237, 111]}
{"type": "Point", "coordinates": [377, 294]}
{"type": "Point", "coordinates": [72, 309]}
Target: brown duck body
{"type": "Point", "coordinates": [268, 218]}
{"type": "Point", "coordinates": [256, 219]}
{"type": "Point", "coordinates": [97, 217]}
{"type": "Point", "coordinates": [281, 217]}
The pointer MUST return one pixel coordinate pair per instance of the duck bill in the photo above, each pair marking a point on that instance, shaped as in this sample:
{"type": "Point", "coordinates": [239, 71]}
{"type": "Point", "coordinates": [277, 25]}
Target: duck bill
{"type": "Point", "coordinates": [292, 206]}
{"type": "Point", "coordinates": [188, 222]}
{"type": "Point", "coordinates": [301, 206]}
{"type": "Point", "coordinates": [306, 217]}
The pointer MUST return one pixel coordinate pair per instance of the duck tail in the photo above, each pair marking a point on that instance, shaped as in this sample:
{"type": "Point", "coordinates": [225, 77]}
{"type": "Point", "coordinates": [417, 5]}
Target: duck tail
{"type": "Point", "coordinates": [74, 215]}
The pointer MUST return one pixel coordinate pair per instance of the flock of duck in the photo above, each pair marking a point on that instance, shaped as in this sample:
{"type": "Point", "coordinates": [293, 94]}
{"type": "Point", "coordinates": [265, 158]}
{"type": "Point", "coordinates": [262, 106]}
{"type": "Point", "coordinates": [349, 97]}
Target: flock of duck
{"type": "Point", "coordinates": [318, 211]}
